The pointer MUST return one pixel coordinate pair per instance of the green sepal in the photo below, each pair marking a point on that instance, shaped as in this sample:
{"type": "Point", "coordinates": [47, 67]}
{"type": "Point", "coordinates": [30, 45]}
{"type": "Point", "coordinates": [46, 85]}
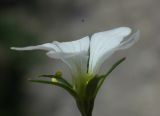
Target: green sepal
{"type": "Point", "coordinates": [92, 86]}
{"type": "Point", "coordinates": [90, 93]}
{"type": "Point", "coordinates": [96, 82]}
{"type": "Point", "coordinates": [59, 79]}
{"type": "Point", "coordinates": [114, 66]}
{"type": "Point", "coordinates": [59, 84]}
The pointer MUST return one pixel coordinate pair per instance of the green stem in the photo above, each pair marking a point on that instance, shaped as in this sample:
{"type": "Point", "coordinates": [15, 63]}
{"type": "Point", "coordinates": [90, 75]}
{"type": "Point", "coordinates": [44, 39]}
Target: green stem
{"type": "Point", "coordinates": [87, 115]}
{"type": "Point", "coordinates": [85, 107]}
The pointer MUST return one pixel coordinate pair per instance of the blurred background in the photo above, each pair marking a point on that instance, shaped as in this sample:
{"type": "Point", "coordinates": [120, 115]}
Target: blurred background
{"type": "Point", "coordinates": [132, 90]}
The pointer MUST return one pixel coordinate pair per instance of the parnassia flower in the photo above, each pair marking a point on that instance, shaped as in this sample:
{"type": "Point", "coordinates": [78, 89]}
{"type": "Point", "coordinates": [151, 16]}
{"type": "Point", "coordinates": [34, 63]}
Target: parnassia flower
{"type": "Point", "coordinates": [85, 56]}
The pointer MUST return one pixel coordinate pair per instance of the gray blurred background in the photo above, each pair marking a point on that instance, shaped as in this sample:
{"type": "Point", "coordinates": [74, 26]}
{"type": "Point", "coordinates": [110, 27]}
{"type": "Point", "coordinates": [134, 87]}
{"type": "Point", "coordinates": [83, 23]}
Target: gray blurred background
{"type": "Point", "coordinates": [133, 89]}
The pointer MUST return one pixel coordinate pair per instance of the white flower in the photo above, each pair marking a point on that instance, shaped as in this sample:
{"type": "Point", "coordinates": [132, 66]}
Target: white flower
{"type": "Point", "coordinates": [87, 55]}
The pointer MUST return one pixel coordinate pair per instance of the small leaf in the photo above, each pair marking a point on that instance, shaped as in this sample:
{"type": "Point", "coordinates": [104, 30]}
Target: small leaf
{"type": "Point", "coordinates": [62, 85]}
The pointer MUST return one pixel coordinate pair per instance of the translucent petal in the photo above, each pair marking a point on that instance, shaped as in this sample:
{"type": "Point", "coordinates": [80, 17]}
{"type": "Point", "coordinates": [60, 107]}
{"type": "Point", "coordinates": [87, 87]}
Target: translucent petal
{"type": "Point", "coordinates": [104, 44]}
{"type": "Point", "coordinates": [76, 62]}
{"type": "Point", "coordinates": [130, 40]}
{"type": "Point", "coordinates": [74, 53]}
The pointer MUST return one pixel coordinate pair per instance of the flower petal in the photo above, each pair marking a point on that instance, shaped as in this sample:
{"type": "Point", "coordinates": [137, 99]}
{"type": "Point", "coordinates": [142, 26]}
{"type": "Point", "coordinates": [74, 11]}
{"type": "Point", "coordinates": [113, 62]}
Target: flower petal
{"type": "Point", "coordinates": [74, 53]}
{"type": "Point", "coordinates": [130, 40]}
{"type": "Point", "coordinates": [46, 46]}
{"type": "Point", "coordinates": [104, 44]}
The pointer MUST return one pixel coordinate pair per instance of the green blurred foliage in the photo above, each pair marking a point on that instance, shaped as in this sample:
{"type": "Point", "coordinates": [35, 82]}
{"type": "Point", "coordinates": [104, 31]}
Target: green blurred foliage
{"type": "Point", "coordinates": [13, 66]}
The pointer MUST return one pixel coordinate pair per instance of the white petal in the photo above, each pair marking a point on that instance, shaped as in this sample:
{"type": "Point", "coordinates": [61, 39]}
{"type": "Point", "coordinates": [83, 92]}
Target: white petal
{"type": "Point", "coordinates": [46, 46]}
{"type": "Point", "coordinates": [130, 40]}
{"type": "Point", "coordinates": [104, 44]}
{"type": "Point", "coordinates": [74, 53]}
{"type": "Point", "coordinates": [76, 62]}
